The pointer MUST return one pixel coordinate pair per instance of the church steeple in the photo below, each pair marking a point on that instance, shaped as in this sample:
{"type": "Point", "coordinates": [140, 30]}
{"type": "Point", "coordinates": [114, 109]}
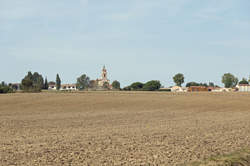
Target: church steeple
{"type": "Point", "coordinates": [104, 79]}
{"type": "Point", "coordinates": [104, 73]}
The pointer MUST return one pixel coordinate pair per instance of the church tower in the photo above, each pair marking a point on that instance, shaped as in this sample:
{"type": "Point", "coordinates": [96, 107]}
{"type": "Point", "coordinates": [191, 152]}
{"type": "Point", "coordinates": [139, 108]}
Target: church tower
{"type": "Point", "coordinates": [104, 74]}
{"type": "Point", "coordinates": [104, 79]}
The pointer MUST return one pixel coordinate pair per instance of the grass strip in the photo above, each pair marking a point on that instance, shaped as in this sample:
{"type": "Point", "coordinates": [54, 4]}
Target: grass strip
{"type": "Point", "coordinates": [239, 158]}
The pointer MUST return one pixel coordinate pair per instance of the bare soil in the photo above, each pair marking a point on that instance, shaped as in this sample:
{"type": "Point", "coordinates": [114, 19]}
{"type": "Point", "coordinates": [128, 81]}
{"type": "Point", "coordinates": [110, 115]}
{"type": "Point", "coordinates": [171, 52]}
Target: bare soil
{"type": "Point", "coordinates": [121, 128]}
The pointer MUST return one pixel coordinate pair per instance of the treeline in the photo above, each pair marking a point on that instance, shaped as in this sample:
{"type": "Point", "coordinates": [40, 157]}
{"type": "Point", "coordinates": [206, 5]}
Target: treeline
{"type": "Point", "coordinates": [228, 79]}
{"type": "Point", "coordinates": [34, 82]}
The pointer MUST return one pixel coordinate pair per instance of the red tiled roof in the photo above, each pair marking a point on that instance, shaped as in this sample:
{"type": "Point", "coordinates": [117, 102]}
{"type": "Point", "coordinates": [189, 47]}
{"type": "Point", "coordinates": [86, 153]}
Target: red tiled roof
{"type": "Point", "coordinates": [244, 85]}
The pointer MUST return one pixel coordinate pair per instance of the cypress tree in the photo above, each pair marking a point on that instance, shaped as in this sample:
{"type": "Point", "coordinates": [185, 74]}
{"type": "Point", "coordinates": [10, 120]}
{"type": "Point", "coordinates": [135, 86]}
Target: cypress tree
{"type": "Point", "coordinates": [46, 86]}
{"type": "Point", "coordinates": [58, 82]}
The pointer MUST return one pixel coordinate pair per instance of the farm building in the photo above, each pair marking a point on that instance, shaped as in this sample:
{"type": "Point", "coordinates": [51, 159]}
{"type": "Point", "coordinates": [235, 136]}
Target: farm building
{"type": "Point", "coordinates": [218, 89]}
{"type": "Point", "coordinates": [16, 86]}
{"type": "Point", "coordinates": [244, 88]}
{"type": "Point", "coordinates": [178, 89]}
{"type": "Point", "coordinates": [52, 86]}
{"type": "Point", "coordinates": [63, 87]}
{"type": "Point", "coordinates": [68, 87]}
{"type": "Point", "coordinates": [198, 89]}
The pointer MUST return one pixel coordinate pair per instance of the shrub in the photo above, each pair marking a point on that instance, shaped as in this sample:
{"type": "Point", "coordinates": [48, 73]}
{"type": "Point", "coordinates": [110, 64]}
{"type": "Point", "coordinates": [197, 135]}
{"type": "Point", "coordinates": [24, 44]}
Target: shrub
{"type": "Point", "coordinates": [152, 85]}
{"type": "Point", "coordinates": [127, 88]}
{"type": "Point", "coordinates": [4, 88]}
{"type": "Point", "coordinates": [196, 84]}
{"type": "Point", "coordinates": [165, 90]}
{"type": "Point", "coordinates": [244, 81]}
{"type": "Point", "coordinates": [136, 86]}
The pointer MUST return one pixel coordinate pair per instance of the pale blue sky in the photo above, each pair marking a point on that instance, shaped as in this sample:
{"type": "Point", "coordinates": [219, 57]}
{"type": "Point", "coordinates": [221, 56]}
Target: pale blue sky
{"type": "Point", "coordinates": [137, 40]}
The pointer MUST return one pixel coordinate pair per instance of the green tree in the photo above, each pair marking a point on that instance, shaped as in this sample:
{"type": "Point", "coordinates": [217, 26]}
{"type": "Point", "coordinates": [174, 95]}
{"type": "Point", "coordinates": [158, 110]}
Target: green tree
{"type": "Point", "coordinates": [4, 88]}
{"type": "Point", "coordinates": [46, 85]}
{"type": "Point", "coordinates": [127, 88]}
{"type": "Point", "coordinates": [179, 79]}
{"type": "Point", "coordinates": [116, 84]}
{"type": "Point", "coordinates": [136, 86]}
{"type": "Point", "coordinates": [83, 82]}
{"type": "Point", "coordinates": [58, 82]}
{"type": "Point", "coordinates": [229, 80]}
{"type": "Point", "coordinates": [32, 82]}
{"type": "Point", "coordinates": [37, 81]}
{"type": "Point", "coordinates": [192, 84]}
{"type": "Point", "coordinates": [152, 85]}
{"type": "Point", "coordinates": [211, 84]}
{"type": "Point", "coordinates": [244, 81]}
{"type": "Point", "coordinates": [106, 85]}
{"type": "Point", "coordinates": [197, 84]}
{"type": "Point", "coordinates": [27, 84]}
{"type": "Point", "coordinates": [3, 83]}
{"type": "Point", "coordinates": [204, 84]}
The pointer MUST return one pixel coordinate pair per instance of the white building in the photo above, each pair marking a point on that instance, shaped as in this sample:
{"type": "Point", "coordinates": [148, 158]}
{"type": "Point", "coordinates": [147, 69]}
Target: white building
{"type": "Point", "coordinates": [52, 87]}
{"type": "Point", "coordinates": [243, 87]}
{"type": "Point", "coordinates": [68, 87]}
{"type": "Point", "coordinates": [63, 87]}
{"type": "Point", "coordinates": [178, 89]}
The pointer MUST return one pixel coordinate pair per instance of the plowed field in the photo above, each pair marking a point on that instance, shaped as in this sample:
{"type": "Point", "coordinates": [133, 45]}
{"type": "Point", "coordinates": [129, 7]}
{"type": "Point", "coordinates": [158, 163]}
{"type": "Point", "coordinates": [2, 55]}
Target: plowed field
{"type": "Point", "coordinates": [121, 128]}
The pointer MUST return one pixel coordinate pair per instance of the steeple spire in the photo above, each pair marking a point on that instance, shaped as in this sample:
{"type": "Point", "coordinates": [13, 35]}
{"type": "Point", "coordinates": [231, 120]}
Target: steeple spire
{"type": "Point", "coordinates": [104, 73]}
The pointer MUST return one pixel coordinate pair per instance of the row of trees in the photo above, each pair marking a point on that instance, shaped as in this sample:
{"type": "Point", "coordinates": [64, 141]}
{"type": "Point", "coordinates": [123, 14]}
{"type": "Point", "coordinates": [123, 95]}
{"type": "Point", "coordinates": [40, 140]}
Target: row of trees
{"type": "Point", "coordinates": [149, 86]}
{"type": "Point", "coordinates": [228, 79]}
{"type": "Point", "coordinates": [34, 82]}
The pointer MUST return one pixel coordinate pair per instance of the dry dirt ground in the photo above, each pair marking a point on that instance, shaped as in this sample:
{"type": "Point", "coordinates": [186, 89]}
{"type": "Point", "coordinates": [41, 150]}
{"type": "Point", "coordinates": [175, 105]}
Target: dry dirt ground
{"type": "Point", "coordinates": [121, 128]}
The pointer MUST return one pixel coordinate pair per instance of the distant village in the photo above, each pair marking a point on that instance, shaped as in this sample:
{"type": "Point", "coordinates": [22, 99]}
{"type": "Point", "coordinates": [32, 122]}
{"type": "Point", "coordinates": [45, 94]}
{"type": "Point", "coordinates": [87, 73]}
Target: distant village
{"type": "Point", "coordinates": [99, 84]}
{"type": "Point", "coordinates": [35, 83]}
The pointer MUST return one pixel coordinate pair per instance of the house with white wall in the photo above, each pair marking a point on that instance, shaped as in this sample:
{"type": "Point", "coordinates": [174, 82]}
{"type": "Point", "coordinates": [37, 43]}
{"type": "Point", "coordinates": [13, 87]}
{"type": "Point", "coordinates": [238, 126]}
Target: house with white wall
{"type": "Point", "coordinates": [243, 87]}
{"type": "Point", "coordinates": [178, 89]}
{"type": "Point", "coordinates": [68, 87]}
{"type": "Point", "coordinates": [63, 87]}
